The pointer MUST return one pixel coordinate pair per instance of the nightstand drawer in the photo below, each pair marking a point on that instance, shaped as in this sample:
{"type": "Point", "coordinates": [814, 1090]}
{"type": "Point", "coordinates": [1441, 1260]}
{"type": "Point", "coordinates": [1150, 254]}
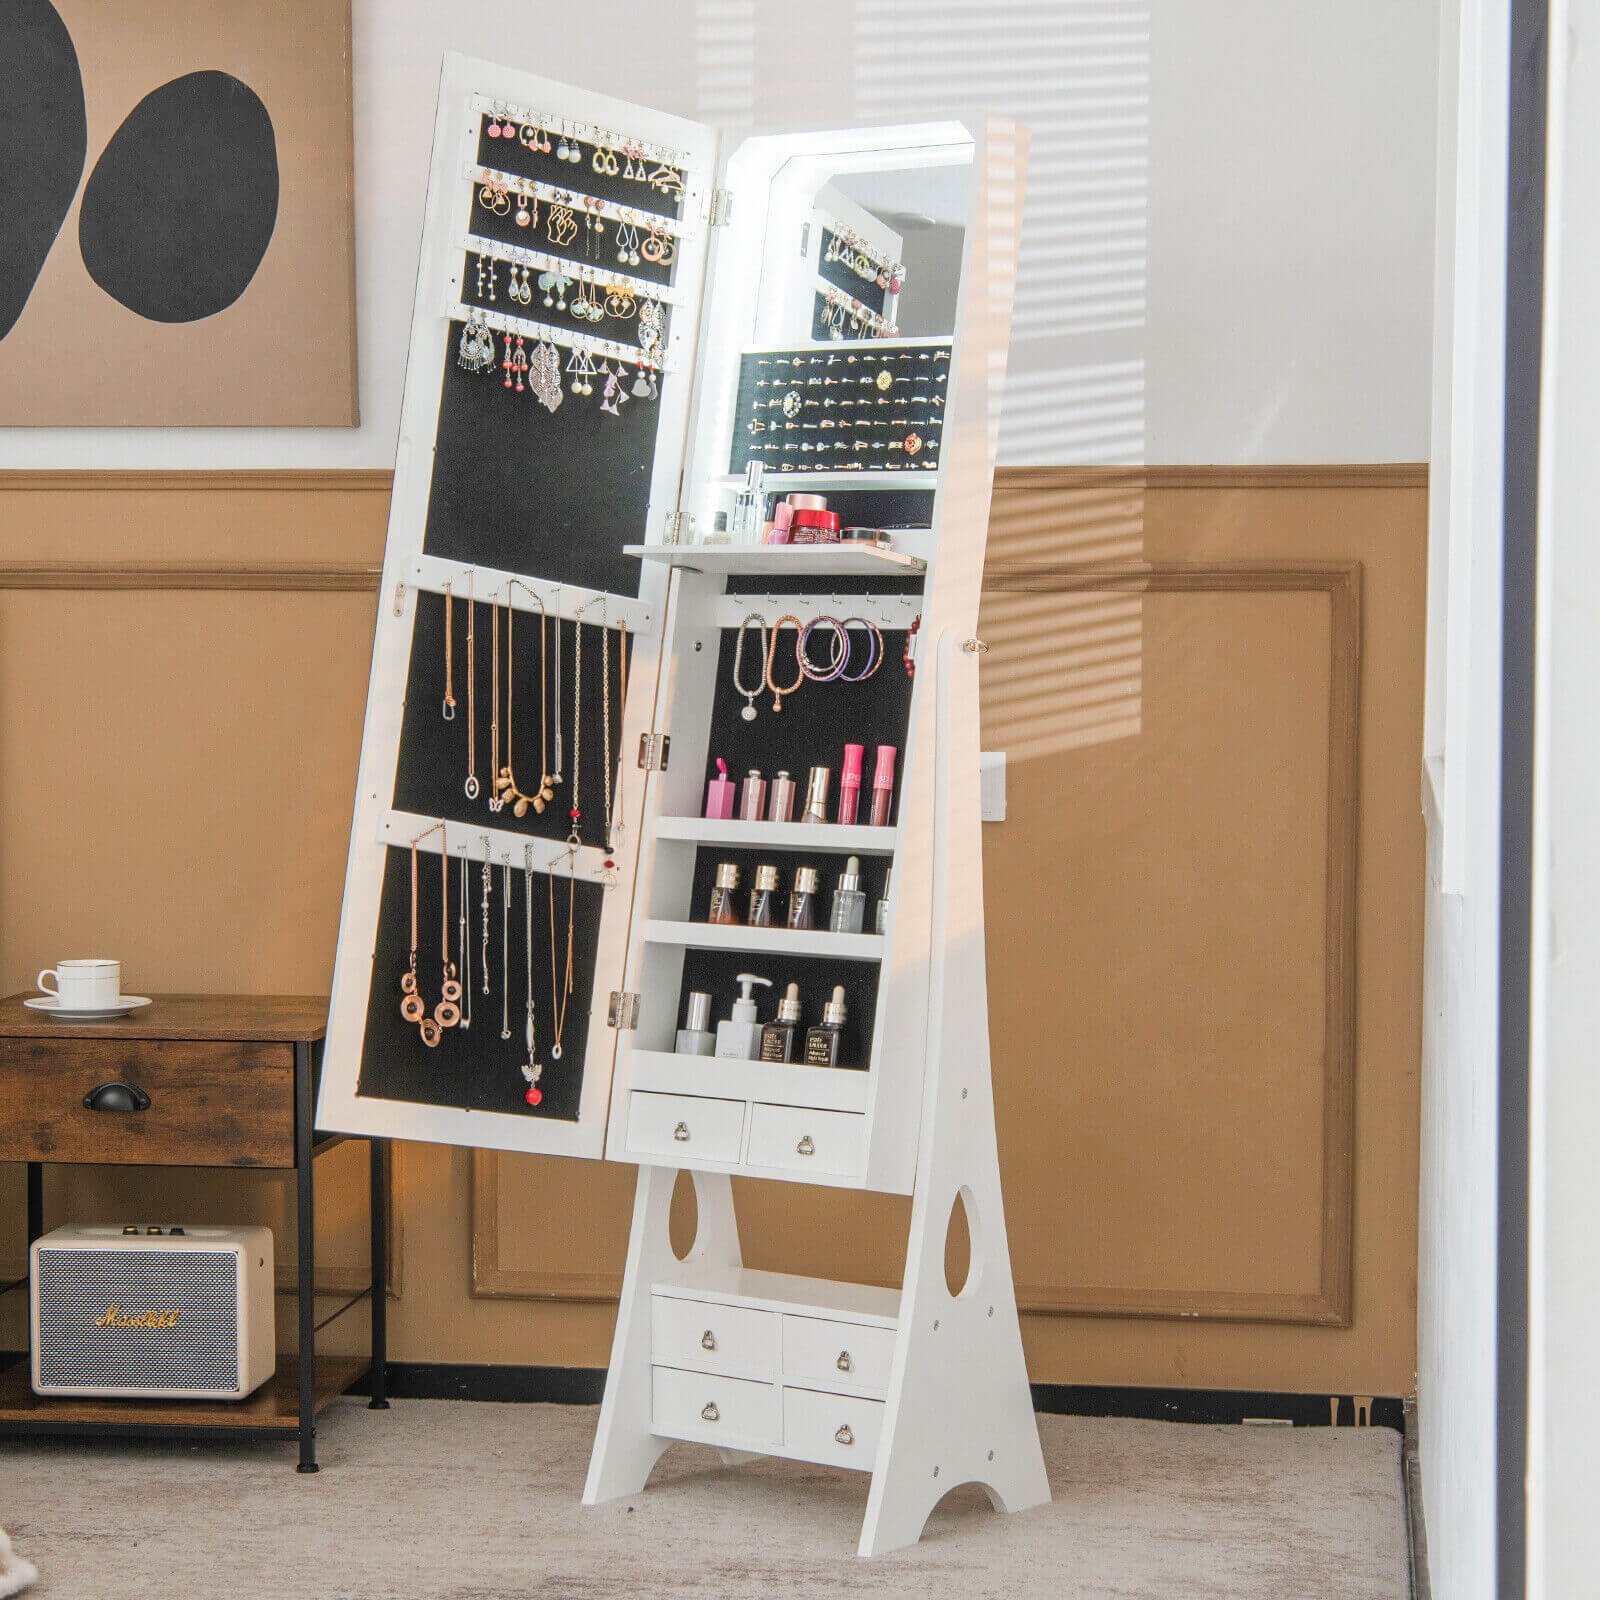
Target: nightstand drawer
{"type": "Point", "coordinates": [694, 1405]}
{"type": "Point", "coordinates": [798, 1140]}
{"type": "Point", "coordinates": [837, 1355]}
{"type": "Point", "coordinates": [704, 1336]}
{"type": "Point", "coordinates": [197, 1103]}
{"type": "Point", "coordinates": [685, 1127]}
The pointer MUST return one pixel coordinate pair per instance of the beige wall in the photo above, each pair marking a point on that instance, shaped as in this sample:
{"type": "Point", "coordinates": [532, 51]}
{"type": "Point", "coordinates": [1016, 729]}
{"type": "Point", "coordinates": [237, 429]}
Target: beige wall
{"type": "Point", "coordinates": [1191, 1136]}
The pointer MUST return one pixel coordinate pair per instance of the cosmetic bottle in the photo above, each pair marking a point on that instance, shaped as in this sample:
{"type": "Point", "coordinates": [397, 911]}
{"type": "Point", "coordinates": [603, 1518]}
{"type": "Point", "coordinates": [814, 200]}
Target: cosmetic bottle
{"type": "Point", "coordinates": [778, 1037]}
{"type": "Point", "coordinates": [723, 910]}
{"type": "Point", "coordinates": [752, 796]}
{"type": "Point", "coordinates": [747, 506]}
{"type": "Point", "coordinates": [817, 795]}
{"type": "Point", "coordinates": [849, 900]}
{"type": "Point", "coordinates": [764, 899]}
{"type": "Point", "coordinates": [739, 1038]}
{"type": "Point", "coordinates": [882, 786]}
{"type": "Point", "coordinates": [780, 799]}
{"type": "Point", "coordinates": [880, 921]}
{"type": "Point", "coordinates": [850, 783]}
{"type": "Point", "coordinates": [822, 1041]}
{"type": "Point", "coordinates": [719, 794]}
{"type": "Point", "coordinates": [695, 1037]}
{"type": "Point", "coordinates": [803, 900]}
{"type": "Point", "coordinates": [777, 531]}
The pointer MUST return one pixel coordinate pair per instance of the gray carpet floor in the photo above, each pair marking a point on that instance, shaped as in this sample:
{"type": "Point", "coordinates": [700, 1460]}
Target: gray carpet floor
{"type": "Point", "coordinates": [480, 1502]}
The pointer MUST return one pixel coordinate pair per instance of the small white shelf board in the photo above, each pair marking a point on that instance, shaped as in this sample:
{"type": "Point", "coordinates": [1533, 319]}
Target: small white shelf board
{"type": "Point", "coordinates": [783, 560]}
{"type": "Point", "coordinates": [784, 1292]}
{"type": "Point", "coordinates": [766, 1082]}
{"type": "Point", "coordinates": [765, 941]}
{"type": "Point", "coordinates": [828, 837]}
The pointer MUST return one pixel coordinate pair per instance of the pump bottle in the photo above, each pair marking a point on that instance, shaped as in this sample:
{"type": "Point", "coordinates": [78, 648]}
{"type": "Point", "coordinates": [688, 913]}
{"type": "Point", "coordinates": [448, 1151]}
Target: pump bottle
{"type": "Point", "coordinates": [739, 1037]}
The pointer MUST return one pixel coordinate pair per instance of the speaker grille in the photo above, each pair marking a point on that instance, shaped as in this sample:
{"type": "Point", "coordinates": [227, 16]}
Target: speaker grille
{"type": "Point", "coordinates": [198, 1351]}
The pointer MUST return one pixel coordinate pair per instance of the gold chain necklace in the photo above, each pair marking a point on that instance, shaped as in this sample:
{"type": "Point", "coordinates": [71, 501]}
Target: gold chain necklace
{"type": "Point", "coordinates": [472, 688]}
{"type": "Point", "coordinates": [447, 1013]}
{"type": "Point", "coordinates": [505, 783]}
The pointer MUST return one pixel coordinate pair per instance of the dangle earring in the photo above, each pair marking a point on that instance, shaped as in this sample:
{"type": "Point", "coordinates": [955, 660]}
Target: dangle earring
{"type": "Point", "coordinates": [613, 396]}
{"type": "Point", "coordinates": [486, 266]}
{"type": "Point", "coordinates": [519, 364]}
{"type": "Point", "coordinates": [477, 345]}
{"type": "Point", "coordinates": [650, 329]}
{"type": "Point", "coordinates": [555, 286]}
{"type": "Point", "coordinates": [544, 374]}
{"type": "Point", "coordinates": [582, 369]}
{"type": "Point", "coordinates": [507, 363]}
{"type": "Point", "coordinates": [494, 123]}
{"type": "Point", "coordinates": [642, 389]}
{"type": "Point", "coordinates": [560, 225]}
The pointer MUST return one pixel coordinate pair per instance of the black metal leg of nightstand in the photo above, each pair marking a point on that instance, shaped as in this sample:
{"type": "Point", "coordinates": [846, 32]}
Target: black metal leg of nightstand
{"type": "Point", "coordinates": [305, 1253]}
{"type": "Point", "coordinates": [378, 1156]}
{"type": "Point", "coordinates": [35, 1200]}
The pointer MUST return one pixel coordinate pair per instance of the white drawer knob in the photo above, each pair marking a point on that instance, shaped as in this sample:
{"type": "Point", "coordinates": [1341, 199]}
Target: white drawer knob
{"type": "Point", "coordinates": [681, 1133]}
{"type": "Point", "coordinates": [844, 1363]}
{"type": "Point", "coordinates": [708, 1340]}
{"type": "Point", "coordinates": [805, 1147]}
{"type": "Point", "coordinates": [844, 1435]}
{"type": "Point", "coordinates": [709, 1412]}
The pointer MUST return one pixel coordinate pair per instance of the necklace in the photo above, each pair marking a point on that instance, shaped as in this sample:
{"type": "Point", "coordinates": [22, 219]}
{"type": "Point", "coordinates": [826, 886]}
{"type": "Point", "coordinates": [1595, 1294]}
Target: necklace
{"type": "Point", "coordinates": [605, 719]}
{"type": "Point", "coordinates": [614, 773]}
{"type": "Point", "coordinates": [413, 1007]}
{"type": "Point", "coordinates": [779, 691]}
{"type": "Point", "coordinates": [749, 712]}
{"type": "Point", "coordinates": [532, 1069]}
{"type": "Point", "coordinates": [556, 775]}
{"type": "Point", "coordinates": [505, 783]}
{"type": "Point", "coordinates": [561, 989]}
{"type": "Point", "coordinates": [464, 956]}
{"type": "Point", "coordinates": [496, 801]}
{"type": "Point", "coordinates": [488, 884]}
{"type": "Point", "coordinates": [505, 951]}
{"type": "Point", "coordinates": [576, 810]}
{"type": "Point", "coordinates": [472, 690]}
{"type": "Point", "coordinates": [449, 711]}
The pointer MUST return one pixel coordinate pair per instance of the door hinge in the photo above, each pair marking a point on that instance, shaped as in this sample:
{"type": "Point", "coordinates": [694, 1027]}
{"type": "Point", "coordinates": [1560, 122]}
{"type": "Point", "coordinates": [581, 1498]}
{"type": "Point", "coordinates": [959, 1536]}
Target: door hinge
{"type": "Point", "coordinates": [721, 207]}
{"type": "Point", "coordinates": [653, 749]}
{"type": "Point", "coordinates": [678, 524]}
{"type": "Point", "coordinates": [623, 1012]}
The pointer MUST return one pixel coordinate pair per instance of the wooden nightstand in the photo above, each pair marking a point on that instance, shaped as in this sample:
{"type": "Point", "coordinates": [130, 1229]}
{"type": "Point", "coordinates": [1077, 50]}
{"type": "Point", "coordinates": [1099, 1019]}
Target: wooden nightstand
{"type": "Point", "coordinates": [190, 1081]}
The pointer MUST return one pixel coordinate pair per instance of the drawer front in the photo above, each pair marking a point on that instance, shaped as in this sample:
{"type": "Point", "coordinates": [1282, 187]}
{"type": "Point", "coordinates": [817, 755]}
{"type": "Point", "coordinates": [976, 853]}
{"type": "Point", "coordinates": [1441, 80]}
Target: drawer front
{"type": "Point", "coordinates": [706, 1337]}
{"type": "Point", "coordinates": [211, 1103]}
{"type": "Point", "coordinates": [731, 1411]}
{"type": "Point", "coordinates": [839, 1430]}
{"type": "Point", "coordinates": [837, 1355]}
{"type": "Point", "coordinates": [685, 1126]}
{"type": "Point", "coordinates": [800, 1141]}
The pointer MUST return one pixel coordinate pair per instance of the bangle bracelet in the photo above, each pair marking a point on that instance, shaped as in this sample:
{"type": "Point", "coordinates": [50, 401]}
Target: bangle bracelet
{"type": "Point", "coordinates": [779, 691]}
{"type": "Point", "coordinates": [841, 650]}
{"type": "Point", "coordinates": [874, 652]}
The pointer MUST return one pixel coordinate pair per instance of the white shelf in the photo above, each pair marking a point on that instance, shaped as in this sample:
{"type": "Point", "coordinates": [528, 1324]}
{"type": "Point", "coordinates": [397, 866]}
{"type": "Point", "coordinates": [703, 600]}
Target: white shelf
{"type": "Point", "coordinates": [782, 1291]}
{"type": "Point", "coordinates": [782, 560]}
{"type": "Point", "coordinates": [765, 941]}
{"type": "Point", "coordinates": [832, 478]}
{"type": "Point", "coordinates": [824, 837]}
{"type": "Point", "coordinates": [771, 1083]}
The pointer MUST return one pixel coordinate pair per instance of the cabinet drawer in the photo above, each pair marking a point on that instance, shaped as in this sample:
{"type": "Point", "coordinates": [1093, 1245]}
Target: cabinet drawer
{"type": "Point", "coordinates": [695, 1405]}
{"type": "Point", "coordinates": [707, 1337]}
{"type": "Point", "coordinates": [839, 1430]}
{"type": "Point", "coordinates": [802, 1141]}
{"type": "Point", "coordinates": [837, 1355]}
{"type": "Point", "coordinates": [213, 1103]}
{"type": "Point", "coordinates": [685, 1126]}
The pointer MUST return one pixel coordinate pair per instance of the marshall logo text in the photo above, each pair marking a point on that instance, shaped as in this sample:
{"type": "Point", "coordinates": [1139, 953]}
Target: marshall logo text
{"type": "Point", "coordinates": [114, 1317]}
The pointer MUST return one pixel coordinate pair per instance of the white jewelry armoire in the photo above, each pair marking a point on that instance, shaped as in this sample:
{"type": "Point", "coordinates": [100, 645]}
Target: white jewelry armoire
{"type": "Point", "coordinates": [609, 328]}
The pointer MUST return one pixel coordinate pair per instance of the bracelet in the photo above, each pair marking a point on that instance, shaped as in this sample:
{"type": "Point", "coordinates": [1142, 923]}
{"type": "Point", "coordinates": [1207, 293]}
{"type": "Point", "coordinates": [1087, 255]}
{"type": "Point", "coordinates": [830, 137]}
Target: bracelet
{"type": "Point", "coordinates": [874, 652]}
{"type": "Point", "coordinates": [841, 650]}
{"type": "Point", "coordinates": [779, 691]}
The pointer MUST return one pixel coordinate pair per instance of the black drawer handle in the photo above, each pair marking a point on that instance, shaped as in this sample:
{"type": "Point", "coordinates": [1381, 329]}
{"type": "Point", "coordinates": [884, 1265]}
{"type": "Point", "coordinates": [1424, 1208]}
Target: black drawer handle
{"type": "Point", "coordinates": [117, 1095]}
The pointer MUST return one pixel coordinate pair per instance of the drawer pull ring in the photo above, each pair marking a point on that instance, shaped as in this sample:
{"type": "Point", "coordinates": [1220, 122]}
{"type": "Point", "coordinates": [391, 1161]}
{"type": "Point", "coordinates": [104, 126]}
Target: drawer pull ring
{"type": "Point", "coordinates": [844, 1435]}
{"type": "Point", "coordinates": [709, 1412]}
{"type": "Point", "coordinates": [708, 1340]}
{"type": "Point", "coordinates": [681, 1133]}
{"type": "Point", "coordinates": [844, 1363]}
{"type": "Point", "coordinates": [805, 1147]}
{"type": "Point", "coordinates": [117, 1096]}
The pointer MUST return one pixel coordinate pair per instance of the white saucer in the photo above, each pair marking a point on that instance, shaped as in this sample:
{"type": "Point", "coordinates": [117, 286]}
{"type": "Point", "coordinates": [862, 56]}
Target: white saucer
{"type": "Point", "coordinates": [52, 1007]}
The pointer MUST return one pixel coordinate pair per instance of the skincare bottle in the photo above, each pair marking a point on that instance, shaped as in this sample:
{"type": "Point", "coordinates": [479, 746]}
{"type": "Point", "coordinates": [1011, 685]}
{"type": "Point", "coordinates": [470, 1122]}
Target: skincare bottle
{"type": "Point", "coordinates": [723, 910]}
{"type": "Point", "coordinates": [748, 506]}
{"type": "Point", "coordinates": [752, 796]}
{"type": "Point", "coordinates": [695, 1037]}
{"type": "Point", "coordinates": [764, 898]}
{"type": "Point", "coordinates": [719, 794]}
{"type": "Point", "coordinates": [817, 795]}
{"type": "Point", "coordinates": [778, 1037]}
{"type": "Point", "coordinates": [739, 1038]}
{"type": "Point", "coordinates": [803, 900]}
{"type": "Point", "coordinates": [849, 900]}
{"type": "Point", "coordinates": [880, 923]}
{"type": "Point", "coordinates": [850, 784]}
{"type": "Point", "coordinates": [822, 1041]}
{"type": "Point", "coordinates": [882, 785]}
{"type": "Point", "coordinates": [780, 799]}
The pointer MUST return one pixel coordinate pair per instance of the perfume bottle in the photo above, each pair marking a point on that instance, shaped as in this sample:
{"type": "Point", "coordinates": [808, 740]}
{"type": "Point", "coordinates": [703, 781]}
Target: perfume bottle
{"type": "Point", "coordinates": [880, 921]}
{"type": "Point", "coordinates": [817, 795]}
{"type": "Point", "coordinates": [850, 784]}
{"type": "Point", "coordinates": [803, 900]}
{"type": "Point", "coordinates": [739, 1036]}
{"type": "Point", "coordinates": [777, 1038]}
{"type": "Point", "coordinates": [764, 898]}
{"type": "Point", "coordinates": [780, 797]}
{"type": "Point", "coordinates": [748, 505]}
{"type": "Point", "coordinates": [849, 900]}
{"type": "Point", "coordinates": [723, 909]}
{"type": "Point", "coordinates": [695, 1037]}
{"type": "Point", "coordinates": [822, 1041]}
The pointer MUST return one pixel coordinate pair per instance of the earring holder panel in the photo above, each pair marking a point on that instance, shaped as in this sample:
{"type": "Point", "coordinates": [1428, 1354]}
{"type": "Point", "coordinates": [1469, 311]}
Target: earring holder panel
{"type": "Point", "coordinates": [533, 330]}
{"type": "Point", "coordinates": [477, 1070]}
{"type": "Point", "coordinates": [606, 337]}
{"type": "Point", "coordinates": [576, 128]}
{"type": "Point", "coordinates": [518, 160]}
{"type": "Point", "coordinates": [859, 316]}
{"type": "Point", "coordinates": [572, 192]}
{"type": "Point", "coordinates": [538, 259]}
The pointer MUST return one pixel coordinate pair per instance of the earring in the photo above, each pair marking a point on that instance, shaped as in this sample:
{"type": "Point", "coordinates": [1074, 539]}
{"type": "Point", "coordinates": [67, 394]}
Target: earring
{"type": "Point", "coordinates": [650, 328]}
{"type": "Point", "coordinates": [614, 397]}
{"type": "Point", "coordinates": [561, 225]}
{"type": "Point", "coordinates": [486, 277]}
{"type": "Point", "coordinates": [477, 345]}
{"type": "Point", "coordinates": [563, 150]}
{"type": "Point", "coordinates": [582, 369]}
{"type": "Point", "coordinates": [525, 214]}
{"type": "Point", "coordinates": [506, 361]}
{"type": "Point", "coordinates": [544, 375]}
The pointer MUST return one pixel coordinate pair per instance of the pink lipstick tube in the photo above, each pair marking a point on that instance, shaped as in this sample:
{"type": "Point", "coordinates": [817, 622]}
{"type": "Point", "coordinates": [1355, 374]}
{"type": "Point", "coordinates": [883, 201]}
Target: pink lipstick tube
{"type": "Point", "coordinates": [850, 783]}
{"type": "Point", "coordinates": [882, 785]}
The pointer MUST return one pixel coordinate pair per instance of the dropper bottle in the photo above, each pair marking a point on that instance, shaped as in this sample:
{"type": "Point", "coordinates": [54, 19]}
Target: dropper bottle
{"type": "Point", "coordinates": [849, 900]}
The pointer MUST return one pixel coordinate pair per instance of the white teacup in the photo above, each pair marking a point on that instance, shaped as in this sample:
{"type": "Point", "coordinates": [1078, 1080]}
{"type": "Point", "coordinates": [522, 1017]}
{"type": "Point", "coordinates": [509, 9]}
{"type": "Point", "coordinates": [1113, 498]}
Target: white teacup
{"type": "Point", "coordinates": [84, 985]}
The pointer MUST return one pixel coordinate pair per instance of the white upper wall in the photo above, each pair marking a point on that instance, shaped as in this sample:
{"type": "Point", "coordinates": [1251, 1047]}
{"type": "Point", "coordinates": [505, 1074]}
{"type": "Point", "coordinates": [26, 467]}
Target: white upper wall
{"type": "Point", "coordinates": [1228, 251]}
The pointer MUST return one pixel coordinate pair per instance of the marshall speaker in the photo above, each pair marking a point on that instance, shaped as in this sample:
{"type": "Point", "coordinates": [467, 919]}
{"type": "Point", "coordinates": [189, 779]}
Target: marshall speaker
{"type": "Point", "coordinates": [147, 1311]}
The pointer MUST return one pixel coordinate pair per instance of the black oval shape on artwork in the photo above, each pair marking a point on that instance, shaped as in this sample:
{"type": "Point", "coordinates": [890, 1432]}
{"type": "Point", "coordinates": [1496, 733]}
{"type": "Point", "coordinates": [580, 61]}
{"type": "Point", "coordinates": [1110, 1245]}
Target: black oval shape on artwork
{"type": "Point", "coordinates": [43, 138]}
{"type": "Point", "coordinates": [180, 208]}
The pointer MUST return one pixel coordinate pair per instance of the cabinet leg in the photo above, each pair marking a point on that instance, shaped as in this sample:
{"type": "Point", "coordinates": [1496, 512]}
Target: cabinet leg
{"type": "Point", "coordinates": [305, 1252]}
{"type": "Point", "coordinates": [35, 1200]}
{"type": "Point", "coordinates": [378, 1158]}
